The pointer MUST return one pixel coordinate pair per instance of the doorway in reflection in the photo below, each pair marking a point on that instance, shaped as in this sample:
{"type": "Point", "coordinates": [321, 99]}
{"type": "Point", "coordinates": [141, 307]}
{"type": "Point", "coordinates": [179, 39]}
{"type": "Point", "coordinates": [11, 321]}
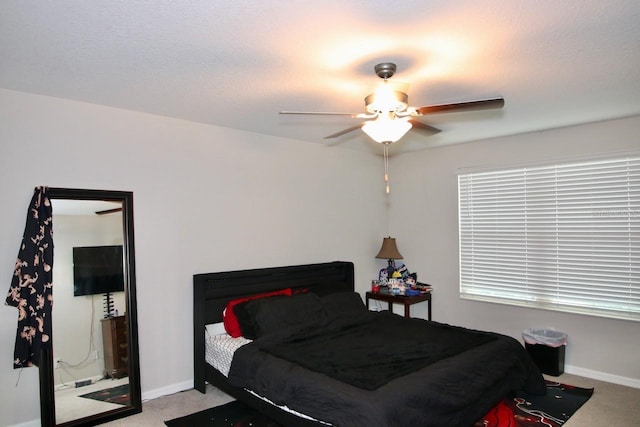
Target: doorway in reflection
{"type": "Point", "coordinates": [90, 350]}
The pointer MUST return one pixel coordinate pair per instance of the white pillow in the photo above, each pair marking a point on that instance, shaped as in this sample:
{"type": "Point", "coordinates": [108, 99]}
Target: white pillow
{"type": "Point", "coordinates": [215, 328]}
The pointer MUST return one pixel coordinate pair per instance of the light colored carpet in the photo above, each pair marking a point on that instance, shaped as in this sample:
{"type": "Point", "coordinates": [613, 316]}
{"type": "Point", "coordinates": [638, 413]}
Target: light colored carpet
{"type": "Point", "coordinates": [155, 412]}
{"type": "Point", "coordinates": [611, 405]}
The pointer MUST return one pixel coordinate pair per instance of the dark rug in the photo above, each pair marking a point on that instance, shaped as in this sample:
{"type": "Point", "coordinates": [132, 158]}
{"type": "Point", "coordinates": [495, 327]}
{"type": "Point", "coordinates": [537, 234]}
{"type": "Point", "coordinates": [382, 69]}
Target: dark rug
{"type": "Point", "coordinates": [232, 414]}
{"type": "Point", "coordinates": [551, 410]}
{"type": "Point", "coordinates": [118, 394]}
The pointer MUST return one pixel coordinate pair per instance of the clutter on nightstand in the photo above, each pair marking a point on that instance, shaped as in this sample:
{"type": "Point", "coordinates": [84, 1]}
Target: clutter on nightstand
{"type": "Point", "coordinates": [396, 279]}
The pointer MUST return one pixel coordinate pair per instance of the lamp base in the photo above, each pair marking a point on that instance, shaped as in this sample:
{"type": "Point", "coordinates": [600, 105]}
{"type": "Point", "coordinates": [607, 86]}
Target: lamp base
{"type": "Point", "coordinates": [391, 268]}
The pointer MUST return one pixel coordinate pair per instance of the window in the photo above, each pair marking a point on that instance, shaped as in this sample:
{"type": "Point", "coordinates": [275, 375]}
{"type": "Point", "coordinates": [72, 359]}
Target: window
{"type": "Point", "coordinates": [563, 237]}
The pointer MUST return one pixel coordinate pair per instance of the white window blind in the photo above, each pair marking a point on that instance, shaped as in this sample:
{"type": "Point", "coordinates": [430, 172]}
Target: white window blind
{"type": "Point", "coordinates": [563, 237]}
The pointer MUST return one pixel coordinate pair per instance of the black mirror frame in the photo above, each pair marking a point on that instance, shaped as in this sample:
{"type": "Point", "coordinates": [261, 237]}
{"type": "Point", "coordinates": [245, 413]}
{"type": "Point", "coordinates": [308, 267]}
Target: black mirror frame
{"type": "Point", "coordinates": [47, 397]}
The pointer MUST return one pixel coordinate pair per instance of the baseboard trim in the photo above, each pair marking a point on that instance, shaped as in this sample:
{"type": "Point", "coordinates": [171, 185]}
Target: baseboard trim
{"type": "Point", "coordinates": [602, 376]}
{"type": "Point", "coordinates": [165, 391]}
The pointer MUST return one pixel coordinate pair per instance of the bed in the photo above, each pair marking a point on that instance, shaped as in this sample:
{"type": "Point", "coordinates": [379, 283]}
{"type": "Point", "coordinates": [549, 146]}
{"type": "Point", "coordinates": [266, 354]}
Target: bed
{"type": "Point", "coordinates": [292, 371]}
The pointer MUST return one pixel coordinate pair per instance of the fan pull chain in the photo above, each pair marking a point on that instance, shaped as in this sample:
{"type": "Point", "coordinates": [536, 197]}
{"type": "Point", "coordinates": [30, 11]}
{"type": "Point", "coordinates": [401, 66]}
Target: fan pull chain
{"type": "Point", "coordinates": [386, 167]}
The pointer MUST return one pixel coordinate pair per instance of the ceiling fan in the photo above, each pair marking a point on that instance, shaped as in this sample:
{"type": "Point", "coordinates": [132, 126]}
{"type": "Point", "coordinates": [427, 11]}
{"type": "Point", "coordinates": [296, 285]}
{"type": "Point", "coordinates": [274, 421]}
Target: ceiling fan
{"type": "Point", "coordinates": [389, 116]}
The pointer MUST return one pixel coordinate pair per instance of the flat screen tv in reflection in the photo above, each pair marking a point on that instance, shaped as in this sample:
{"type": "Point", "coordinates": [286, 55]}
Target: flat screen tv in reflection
{"type": "Point", "coordinates": [97, 270]}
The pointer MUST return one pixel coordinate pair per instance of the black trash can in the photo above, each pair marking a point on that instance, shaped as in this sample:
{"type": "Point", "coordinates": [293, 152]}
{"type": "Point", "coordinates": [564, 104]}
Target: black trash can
{"type": "Point", "coordinates": [547, 348]}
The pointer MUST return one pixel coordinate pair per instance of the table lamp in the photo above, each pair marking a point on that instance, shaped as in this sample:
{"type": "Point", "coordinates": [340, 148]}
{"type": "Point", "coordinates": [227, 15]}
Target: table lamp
{"type": "Point", "coordinates": [389, 251]}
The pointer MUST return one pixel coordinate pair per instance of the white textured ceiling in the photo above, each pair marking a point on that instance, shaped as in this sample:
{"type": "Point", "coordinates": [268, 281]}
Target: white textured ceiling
{"type": "Point", "coordinates": [237, 63]}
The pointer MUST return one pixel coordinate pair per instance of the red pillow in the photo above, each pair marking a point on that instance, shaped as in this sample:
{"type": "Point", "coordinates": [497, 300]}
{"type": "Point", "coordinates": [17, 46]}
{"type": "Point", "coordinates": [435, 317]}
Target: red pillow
{"type": "Point", "coordinates": [230, 320]}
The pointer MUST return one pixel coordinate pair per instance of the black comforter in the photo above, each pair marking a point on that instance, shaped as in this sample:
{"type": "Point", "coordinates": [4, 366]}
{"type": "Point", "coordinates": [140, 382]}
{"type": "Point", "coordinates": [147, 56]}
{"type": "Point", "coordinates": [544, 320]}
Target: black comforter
{"type": "Point", "coordinates": [372, 349]}
{"type": "Point", "coordinates": [360, 368]}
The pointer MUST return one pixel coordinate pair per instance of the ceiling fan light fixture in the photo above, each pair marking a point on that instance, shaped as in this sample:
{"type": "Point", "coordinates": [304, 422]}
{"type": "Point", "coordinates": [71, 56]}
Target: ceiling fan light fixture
{"type": "Point", "coordinates": [386, 100]}
{"type": "Point", "coordinates": [386, 130]}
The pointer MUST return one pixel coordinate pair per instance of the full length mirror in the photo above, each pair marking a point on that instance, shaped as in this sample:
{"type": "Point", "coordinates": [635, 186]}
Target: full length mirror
{"type": "Point", "coordinates": [92, 372]}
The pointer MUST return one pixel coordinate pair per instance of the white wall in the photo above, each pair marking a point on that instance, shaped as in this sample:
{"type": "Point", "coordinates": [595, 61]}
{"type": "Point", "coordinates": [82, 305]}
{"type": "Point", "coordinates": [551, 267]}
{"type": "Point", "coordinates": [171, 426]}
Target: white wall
{"type": "Point", "coordinates": [427, 238]}
{"type": "Point", "coordinates": [205, 199]}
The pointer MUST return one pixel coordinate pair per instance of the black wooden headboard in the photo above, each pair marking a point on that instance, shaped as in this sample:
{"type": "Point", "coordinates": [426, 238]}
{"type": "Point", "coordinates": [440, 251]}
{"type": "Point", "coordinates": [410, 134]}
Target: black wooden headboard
{"type": "Point", "coordinates": [212, 292]}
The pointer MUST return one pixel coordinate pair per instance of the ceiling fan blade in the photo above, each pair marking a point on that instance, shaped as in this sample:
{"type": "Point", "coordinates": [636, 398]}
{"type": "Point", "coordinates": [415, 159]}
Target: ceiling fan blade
{"type": "Point", "coordinates": [345, 131]}
{"type": "Point", "coordinates": [320, 113]}
{"type": "Point", "coordinates": [422, 128]}
{"type": "Point", "coordinates": [482, 104]}
{"type": "Point", "coordinates": [108, 211]}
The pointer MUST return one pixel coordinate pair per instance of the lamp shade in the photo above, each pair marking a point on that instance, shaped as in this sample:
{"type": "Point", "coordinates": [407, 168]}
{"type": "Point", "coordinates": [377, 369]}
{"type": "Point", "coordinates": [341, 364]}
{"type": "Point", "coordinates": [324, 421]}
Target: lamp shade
{"type": "Point", "coordinates": [389, 250]}
{"type": "Point", "coordinates": [384, 130]}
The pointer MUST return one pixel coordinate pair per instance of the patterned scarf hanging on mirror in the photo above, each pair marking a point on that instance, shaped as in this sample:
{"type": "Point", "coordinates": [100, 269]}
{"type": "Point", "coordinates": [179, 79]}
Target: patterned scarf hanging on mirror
{"type": "Point", "coordinates": [31, 285]}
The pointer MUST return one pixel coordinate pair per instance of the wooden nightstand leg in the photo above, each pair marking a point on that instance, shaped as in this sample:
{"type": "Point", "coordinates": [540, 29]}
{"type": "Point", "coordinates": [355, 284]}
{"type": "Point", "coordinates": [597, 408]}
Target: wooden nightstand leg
{"type": "Point", "coordinates": [390, 307]}
{"type": "Point", "coordinates": [406, 311]}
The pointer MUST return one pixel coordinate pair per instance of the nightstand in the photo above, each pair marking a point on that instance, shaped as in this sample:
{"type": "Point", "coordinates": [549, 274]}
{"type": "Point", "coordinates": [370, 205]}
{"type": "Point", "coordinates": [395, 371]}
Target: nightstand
{"type": "Point", "coordinates": [400, 299]}
{"type": "Point", "coordinates": [115, 347]}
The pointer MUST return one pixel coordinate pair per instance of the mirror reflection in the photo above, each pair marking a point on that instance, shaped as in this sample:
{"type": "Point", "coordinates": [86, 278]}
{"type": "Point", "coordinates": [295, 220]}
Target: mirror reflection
{"type": "Point", "coordinates": [90, 366]}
